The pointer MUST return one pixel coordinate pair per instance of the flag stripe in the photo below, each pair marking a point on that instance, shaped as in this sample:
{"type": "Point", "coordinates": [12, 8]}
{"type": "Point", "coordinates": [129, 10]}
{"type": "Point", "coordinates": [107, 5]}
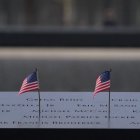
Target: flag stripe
{"type": "Point", "coordinates": [108, 82]}
{"type": "Point", "coordinates": [32, 86]}
{"type": "Point", "coordinates": [30, 83]}
{"type": "Point", "coordinates": [102, 86]}
{"type": "Point", "coordinates": [28, 89]}
{"type": "Point", "coordinates": [102, 82]}
{"type": "Point", "coordinates": [31, 89]}
{"type": "Point", "coordinates": [26, 83]}
{"type": "Point", "coordinates": [98, 81]}
{"type": "Point", "coordinates": [103, 89]}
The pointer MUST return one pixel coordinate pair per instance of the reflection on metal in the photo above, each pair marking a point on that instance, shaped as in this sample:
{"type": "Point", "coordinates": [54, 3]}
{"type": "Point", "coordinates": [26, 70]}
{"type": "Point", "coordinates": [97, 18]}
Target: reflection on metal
{"type": "Point", "coordinates": [70, 110]}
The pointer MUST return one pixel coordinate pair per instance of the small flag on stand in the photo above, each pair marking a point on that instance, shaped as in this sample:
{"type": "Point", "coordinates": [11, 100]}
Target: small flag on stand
{"type": "Point", "coordinates": [102, 82]}
{"type": "Point", "coordinates": [30, 83]}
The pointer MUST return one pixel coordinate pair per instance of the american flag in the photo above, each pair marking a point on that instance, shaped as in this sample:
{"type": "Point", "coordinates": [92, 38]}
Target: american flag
{"type": "Point", "coordinates": [30, 83]}
{"type": "Point", "coordinates": [102, 82]}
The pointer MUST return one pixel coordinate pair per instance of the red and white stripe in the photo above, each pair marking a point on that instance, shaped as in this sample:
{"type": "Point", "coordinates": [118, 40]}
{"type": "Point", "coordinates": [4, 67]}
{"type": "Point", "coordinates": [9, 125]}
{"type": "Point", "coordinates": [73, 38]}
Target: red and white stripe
{"type": "Point", "coordinates": [26, 87]}
{"type": "Point", "coordinates": [101, 86]}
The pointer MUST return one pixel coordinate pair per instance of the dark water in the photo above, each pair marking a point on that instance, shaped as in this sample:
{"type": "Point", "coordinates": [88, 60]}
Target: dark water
{"type": "Point", "coordinates": [70, 75]}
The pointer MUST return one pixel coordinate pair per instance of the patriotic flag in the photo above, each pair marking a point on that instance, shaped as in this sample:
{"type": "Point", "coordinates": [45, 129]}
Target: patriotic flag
{"type": "Point", "coordinates": [102, 82]}
{"type": "Point", "coordinates": [30, 83]}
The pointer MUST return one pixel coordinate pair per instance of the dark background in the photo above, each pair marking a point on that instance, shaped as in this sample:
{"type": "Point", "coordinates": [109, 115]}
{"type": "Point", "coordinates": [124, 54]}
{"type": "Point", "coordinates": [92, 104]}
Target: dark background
{"type": "Point", "coordinates": [53, 134]}
{"type": "Point", "coordinates": [46, 40]}
{"type": "Point", "coordinates": [73, 37]}
{"type": "Point", "coordinates": [75, 24]}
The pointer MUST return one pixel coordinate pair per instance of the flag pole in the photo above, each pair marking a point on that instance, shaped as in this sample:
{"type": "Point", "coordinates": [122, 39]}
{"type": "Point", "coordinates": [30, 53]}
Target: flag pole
{"type": "Point", "coordinates": [39, 105]}
{"type": "Point", "coordinates": [109, 110]}
{"type": "Point", "coordinates": [39, 111]}
{"type": "Point", "coordinates": [109, 107]}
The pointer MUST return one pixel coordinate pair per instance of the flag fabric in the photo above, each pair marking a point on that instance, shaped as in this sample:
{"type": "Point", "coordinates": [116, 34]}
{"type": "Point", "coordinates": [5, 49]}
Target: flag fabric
{"type": "Point", "coordinates": [102, 82]}
{"type": "Point", "coordinates": [30, 83]}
